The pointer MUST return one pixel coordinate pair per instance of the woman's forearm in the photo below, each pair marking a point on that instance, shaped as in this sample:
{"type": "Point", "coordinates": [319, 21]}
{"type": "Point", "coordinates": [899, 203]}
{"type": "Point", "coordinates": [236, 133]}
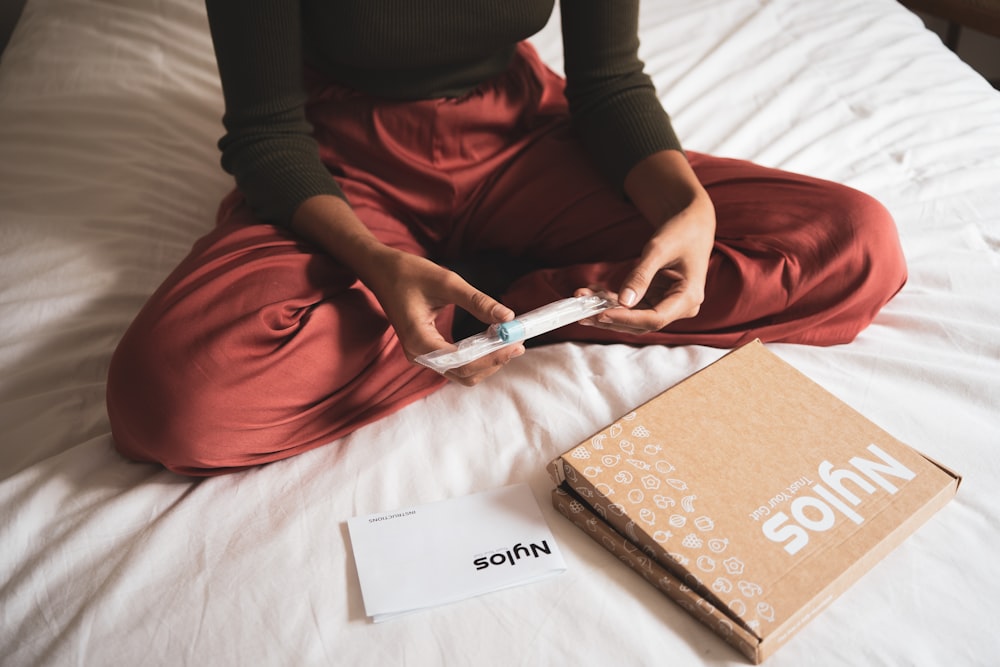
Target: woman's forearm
{"type": "Point", "coordinates": [662, 185]}
{"type": "Point", "coordinates": [331, 223]}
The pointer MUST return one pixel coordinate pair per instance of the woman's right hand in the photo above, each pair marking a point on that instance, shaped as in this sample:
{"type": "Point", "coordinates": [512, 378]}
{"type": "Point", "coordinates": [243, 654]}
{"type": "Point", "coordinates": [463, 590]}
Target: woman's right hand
{"type": "Point", "coordinates": [412, 290]}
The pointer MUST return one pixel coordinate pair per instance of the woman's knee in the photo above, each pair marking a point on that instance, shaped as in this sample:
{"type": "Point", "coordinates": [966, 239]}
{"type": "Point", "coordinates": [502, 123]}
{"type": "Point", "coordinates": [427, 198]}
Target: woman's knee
{"type": "Point", "coordinates": [866, 269]}
{"type": "Point", "coordinates": [878, 260]}
{"type": "Point", "coordinates": [149, 401]}
{"type": "Point", "coordinates": [205, 400]}
{"type": "Point", "coordinates": [177, 411]}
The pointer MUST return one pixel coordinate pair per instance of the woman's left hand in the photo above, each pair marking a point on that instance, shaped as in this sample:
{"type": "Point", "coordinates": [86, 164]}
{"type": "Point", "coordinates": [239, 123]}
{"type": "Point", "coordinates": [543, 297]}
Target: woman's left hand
{"type": "Point", "coordinates": [668, 281]}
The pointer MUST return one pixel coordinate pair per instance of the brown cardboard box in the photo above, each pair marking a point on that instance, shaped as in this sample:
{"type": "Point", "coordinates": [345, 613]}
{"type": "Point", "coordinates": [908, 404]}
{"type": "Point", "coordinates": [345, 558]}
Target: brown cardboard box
{"type": "Point", "coordinates": [750, 495]}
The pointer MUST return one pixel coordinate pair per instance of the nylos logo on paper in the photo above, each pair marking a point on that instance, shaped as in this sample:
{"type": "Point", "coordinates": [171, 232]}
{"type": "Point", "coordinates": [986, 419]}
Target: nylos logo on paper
{"type": "Point", "coordinates": [513, 555]}
{"type": "Point", "coordinates": [818, 512]}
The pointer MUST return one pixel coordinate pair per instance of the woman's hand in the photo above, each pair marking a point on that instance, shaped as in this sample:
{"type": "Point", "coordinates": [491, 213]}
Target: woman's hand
{"type": "Point", "coordinates": [411, 290]}
{"type": "Point", "coordinates": [668, 281]}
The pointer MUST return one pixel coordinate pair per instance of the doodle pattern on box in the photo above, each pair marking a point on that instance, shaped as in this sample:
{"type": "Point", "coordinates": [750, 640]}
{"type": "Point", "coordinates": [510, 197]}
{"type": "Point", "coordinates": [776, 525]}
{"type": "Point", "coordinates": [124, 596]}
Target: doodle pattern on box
{"type": "Point", "coordinates": [655, 574]}
{"type": "Point", "coordinates": [625, 469]}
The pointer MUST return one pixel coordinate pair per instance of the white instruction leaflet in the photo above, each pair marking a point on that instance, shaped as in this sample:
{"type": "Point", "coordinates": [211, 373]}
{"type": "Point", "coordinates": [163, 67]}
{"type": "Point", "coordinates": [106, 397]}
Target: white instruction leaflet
{"type": "Point", "coordinates": [442, 552]}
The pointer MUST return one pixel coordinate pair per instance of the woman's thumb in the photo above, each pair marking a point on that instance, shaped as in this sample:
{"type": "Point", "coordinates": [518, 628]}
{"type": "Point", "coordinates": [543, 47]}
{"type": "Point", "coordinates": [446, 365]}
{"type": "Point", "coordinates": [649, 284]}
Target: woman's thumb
{"type": "Point", "coordinates": [635, 285]}
{"type": "Point", "coordinates": [484, 307]}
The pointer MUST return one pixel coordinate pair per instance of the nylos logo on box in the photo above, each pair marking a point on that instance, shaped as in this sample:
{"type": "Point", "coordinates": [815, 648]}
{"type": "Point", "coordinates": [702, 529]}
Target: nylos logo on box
{"type": "Point", "coordinates": [819, 512]}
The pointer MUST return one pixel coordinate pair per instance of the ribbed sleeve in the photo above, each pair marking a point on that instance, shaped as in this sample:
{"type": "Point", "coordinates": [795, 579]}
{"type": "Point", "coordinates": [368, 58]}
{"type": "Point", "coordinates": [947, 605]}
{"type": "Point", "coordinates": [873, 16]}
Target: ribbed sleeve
{"type": "Point", "coordinates": [268, 145]}
{"type": "Point", "coordinates": [613, 102]}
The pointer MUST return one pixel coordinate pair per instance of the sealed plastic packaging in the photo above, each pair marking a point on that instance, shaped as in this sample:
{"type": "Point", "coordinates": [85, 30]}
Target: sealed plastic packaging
{"type": "Point", "coordinates": [533, 323]}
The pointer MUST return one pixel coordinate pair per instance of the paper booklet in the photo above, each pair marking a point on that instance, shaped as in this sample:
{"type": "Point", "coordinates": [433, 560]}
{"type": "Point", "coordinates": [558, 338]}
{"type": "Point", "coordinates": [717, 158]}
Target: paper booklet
{"type": "Point", "coordinates": [442, 552]}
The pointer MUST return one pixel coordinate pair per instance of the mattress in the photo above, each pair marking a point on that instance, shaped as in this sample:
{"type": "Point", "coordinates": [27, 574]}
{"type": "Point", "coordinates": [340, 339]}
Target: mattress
{"type": "Point", "coordinates": [109, 114]}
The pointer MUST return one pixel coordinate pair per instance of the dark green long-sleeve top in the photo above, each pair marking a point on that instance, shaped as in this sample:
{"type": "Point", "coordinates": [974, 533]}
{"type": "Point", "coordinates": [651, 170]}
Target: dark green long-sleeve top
{"type": "Point", "coordinates": [414, 49]}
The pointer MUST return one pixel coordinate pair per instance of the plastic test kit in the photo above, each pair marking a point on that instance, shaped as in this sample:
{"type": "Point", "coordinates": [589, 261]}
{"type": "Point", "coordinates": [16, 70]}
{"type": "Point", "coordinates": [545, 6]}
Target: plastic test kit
{"type": "Point", "coordinates": [533, 323]}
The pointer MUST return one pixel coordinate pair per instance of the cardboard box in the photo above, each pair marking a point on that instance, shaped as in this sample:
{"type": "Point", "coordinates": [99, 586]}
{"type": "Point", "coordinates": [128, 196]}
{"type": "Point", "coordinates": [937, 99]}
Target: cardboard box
{"type": "Point", "coordinates": [749, 495]}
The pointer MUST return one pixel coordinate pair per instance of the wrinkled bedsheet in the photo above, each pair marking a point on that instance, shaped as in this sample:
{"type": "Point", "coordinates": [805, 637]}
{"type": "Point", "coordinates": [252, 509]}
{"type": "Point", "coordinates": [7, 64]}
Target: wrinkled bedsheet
{"type": "Point", "coordinates": [109, 114]}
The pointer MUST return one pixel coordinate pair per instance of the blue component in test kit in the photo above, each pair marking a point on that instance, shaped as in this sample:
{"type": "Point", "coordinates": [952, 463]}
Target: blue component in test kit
{"type": "Point", "coordinates": [511, 332]}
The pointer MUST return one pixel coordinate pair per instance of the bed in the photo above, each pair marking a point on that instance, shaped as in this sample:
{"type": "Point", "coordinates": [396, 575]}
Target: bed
{"type": "Point", "coordinates": [109, 113]}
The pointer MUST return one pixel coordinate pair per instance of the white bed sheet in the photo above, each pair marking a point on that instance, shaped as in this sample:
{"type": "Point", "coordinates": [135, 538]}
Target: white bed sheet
{"type": "Point", "coordinates": [109, 111]}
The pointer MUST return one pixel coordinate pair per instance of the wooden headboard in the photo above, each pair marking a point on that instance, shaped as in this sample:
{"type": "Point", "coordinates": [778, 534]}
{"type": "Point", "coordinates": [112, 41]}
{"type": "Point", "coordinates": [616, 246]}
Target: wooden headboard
{"type": "Point", "coordinates": [10, 11]}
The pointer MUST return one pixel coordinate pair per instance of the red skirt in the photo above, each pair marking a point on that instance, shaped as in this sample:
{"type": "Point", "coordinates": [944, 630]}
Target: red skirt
{"type": "Point", "coordinates": [259, 346]}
